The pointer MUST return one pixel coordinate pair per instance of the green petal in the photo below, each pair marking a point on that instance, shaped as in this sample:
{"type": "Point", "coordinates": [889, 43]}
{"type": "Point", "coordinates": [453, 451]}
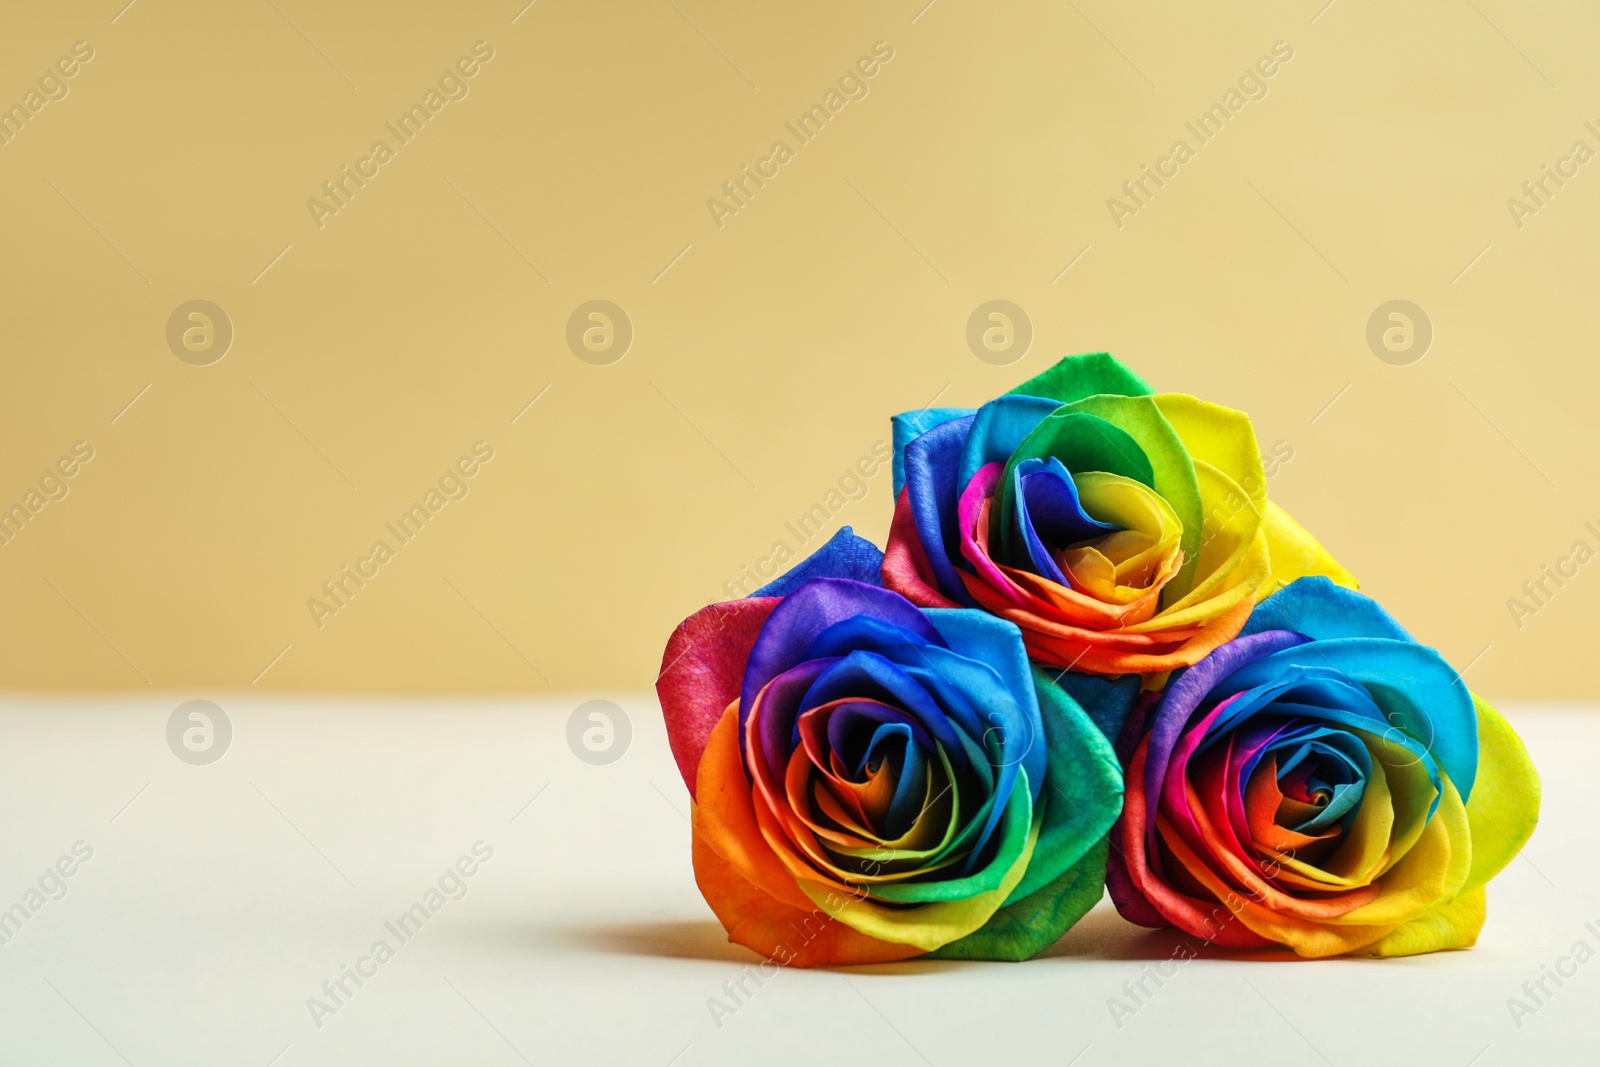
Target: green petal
{"type": "Point", "coordinates": [942, 921]}
{"type": "Point", "coordinates": [1026, 928]}
{"type": "Point", "coordinates": [1082, 443]}
{"type": "Point", "coordinates": [1141, 418]}
{"type": "Point", "coordinates": [1076, 377]}
{"type": "Point", "coordinates": [1082, 794]}
{"type": "Point", "coordinates": [1015, 839]}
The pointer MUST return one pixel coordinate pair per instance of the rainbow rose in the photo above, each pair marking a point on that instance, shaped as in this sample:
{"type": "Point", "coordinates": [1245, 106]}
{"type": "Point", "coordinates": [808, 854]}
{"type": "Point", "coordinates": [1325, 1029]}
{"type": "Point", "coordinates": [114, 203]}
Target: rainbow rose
{"type": "Point", "coordinates": [873, 781]}
{"type": "Point", "coordinates": [1122, 531]}
{"type": "Point", "coordinates": [1321, 782]}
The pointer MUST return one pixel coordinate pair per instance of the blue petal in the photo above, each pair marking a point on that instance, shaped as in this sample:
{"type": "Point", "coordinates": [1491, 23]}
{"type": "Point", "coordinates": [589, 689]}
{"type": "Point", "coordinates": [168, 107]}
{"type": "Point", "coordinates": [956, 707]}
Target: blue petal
{"type": "Point", "coordinates": [1308, 689]}
{"type": "Point", "coordinates": [1340, 750]}
{"type": "Point", "coordinates": [1321, 610]}
{"type": "Point", "coordinates": [932, 493]}
{"type": "Point", "coordinates": [849, 718]}
{"type": "Point", "coordinates": [867, 674]}
{"type": "Point", "coordinates": [1188, 688]}
{"type": "Point", "coordinates": [1419, 693]}
{"type": "Point", "coordinates": [1107, 701]}
{"type": "Point", "coordinates": [1047, 504]}
{"type": "Point", "coordinates": [865, 633]}
{"type": "Point", "coordinates": [997, 429]}
{"type": "Point", "coordinates": [844, 556]}
{"type": "Point", "coordinates": [909, 426]}
{"type": "Point", "coordinates": [803, 615]}
{"type": "Point", "coordinates": [997, 644]}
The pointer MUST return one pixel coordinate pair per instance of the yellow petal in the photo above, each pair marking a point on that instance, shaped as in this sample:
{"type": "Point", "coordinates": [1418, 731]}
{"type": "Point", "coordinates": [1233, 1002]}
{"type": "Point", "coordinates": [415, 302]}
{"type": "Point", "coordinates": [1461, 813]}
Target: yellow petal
{"type": "Point", "coordinates": [1294, 553]}
{"type": "Point", "coordinates": [1119, 568]}
{"type": "Point", "coordinates": [1501, 815]}
{"type": "Point", "coordinates": [1233, 554]}
{"type": "Point", "coordinates": [1219, 436]}
{"type": "Point", "coordinates": [932, 925]}
{"type": "Point", "coordinates": [1427, 876]}
{"type": "Point", "coordinates": [1452, 925]}
{"type": "Point", "coordinates": [1504, 807]}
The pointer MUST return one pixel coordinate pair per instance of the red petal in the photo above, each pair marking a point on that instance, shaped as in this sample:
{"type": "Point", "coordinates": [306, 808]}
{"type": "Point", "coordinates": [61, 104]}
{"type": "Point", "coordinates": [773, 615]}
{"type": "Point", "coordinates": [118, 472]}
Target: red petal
{"type": "Point", "coordinates": [701, 672]}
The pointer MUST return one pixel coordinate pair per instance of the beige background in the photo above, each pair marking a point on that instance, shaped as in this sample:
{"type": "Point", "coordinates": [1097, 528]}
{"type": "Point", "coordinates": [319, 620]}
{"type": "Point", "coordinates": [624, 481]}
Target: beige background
{"type": "Point", "coordinates": [427, 313]}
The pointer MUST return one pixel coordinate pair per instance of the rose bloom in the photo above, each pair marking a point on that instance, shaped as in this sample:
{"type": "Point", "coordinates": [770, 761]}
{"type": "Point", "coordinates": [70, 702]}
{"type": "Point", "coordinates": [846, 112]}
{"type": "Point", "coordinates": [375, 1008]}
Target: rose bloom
{"type": "Point", "coordinates": [1321, 782]}
{"type": "Point", "coordinates": [1123, 531]}
{"type": "Point", "coordinates": [873, 781]}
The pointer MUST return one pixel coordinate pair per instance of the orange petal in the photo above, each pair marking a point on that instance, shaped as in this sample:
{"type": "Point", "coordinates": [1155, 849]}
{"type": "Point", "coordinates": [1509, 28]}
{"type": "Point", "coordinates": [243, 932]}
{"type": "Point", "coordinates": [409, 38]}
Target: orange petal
{"type": "Point", "coordinates": [747, 886]}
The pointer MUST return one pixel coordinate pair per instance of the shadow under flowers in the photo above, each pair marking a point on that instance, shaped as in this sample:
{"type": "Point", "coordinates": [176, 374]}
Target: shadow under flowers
{"type": "Point", "coordinates": [667, 939]}
{"type": "Point", "coordinates": [1100, 935]}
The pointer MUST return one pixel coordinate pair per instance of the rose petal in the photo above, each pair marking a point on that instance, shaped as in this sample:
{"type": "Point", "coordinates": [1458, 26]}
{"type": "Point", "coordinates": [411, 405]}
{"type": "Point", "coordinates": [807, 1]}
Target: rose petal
{"type": "Point", "coordinates": [1504, 807]}
{"type": "Point", "coordinates": [1076, 377]}
{"type": "Point", "coordinates": [908, 426]}
{"type": "Point", "coordinates": [701, 671]}
{"type": "Point", "coordinates": [748, 888]}
{"type": "Point", "coordinates": [844, 555]}
{"type": "Point", "coordinates": [932, 493]}
{"type": "Point", "coordinates": [1296, 554]}
{"type": "Point", "coordinates": [906, 569]}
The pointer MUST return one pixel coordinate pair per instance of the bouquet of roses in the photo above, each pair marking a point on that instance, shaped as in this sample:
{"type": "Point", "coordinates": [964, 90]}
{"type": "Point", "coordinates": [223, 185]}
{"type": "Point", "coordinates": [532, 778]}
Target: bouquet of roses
{"type": "Point", "coordinates": [1094, 656]}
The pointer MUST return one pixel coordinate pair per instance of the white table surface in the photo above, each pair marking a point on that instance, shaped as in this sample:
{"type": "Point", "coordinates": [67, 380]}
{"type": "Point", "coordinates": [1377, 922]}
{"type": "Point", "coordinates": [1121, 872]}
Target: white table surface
{"type": "Point", "coordinates": [219, 898]}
